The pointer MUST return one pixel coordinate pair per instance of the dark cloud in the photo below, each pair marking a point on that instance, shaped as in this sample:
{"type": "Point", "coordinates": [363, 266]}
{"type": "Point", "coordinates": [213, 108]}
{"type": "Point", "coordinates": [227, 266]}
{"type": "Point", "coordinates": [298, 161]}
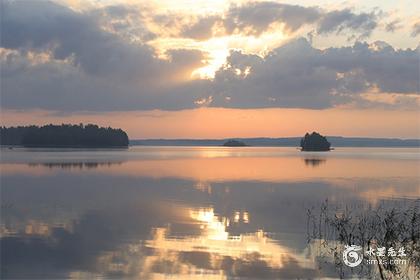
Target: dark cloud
{"type": "Point", "coordinates": [416, 29]}
{"type": "Point", "coordinates": [288, 77]}
{"type": "Point", "coordinates": [44, 26]}
{"type": "Point", "coordinates": [298, 75]}
{"type": "Point", "coordinates": [61, 86]}
{"type": "Point", "coordinates": [201, 29]}
{"type": "Point", "coordinates": [393, 25]}
{"type": "Point", "coordinates": [337, 21]}
{"type": "Point", "coordinates": [86, 63]}
{"type": "Point", "coordinates": [125, 21]}
{"type": "Point", "coordinates": [256, 17]}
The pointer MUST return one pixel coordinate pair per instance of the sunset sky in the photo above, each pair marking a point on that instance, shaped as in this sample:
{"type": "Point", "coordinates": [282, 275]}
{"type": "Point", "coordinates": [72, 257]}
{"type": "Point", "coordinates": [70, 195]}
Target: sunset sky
{"type": "Point", "coordinates": [214, 69]}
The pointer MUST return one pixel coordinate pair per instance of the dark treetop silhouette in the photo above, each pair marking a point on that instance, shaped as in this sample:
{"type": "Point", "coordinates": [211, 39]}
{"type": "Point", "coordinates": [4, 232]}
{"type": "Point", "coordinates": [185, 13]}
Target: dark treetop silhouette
{"type": "Point", "coordinates": [234, 143]}
{"type": "Point", "coordinates": [314, 142]}
{"type": "Point", "coordinates": [65, 135]}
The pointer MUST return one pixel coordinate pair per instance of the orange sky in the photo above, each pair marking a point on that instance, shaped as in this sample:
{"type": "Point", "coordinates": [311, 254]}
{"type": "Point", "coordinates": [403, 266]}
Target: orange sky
{"type": "Point", "coordinates": [226, 123]}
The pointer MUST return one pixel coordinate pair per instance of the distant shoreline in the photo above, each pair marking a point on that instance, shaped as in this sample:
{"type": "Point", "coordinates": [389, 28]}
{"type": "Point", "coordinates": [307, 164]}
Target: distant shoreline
{"type": "Point", "coordinates": [336, 141]}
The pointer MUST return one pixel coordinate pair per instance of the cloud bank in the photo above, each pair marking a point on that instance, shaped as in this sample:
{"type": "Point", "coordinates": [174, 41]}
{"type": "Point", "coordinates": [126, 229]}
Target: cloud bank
{"type": "Point", "coordinates": [255, 18]}
{"type": "Point", "coordinates": [55, 58]}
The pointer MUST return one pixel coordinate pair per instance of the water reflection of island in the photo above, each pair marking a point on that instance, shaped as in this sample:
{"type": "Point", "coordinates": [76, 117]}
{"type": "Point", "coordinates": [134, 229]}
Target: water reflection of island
{"type": "Point", "coordinates": [314, 162]}
{"type": "Point", "coordinates": [74, 165]}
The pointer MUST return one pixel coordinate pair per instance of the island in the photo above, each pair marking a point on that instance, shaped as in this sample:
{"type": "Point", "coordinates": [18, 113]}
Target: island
{"type": "Point", "coordinates": [65, 135]}
{"type": "Point", "coordinates": [314, 142]}
{"type": "Point", "coordinates": [234, 143]}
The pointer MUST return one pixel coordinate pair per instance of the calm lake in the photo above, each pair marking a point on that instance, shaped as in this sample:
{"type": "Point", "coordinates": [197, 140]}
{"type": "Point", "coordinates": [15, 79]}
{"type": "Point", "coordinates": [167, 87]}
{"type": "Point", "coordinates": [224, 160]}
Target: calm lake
{"type": "Point", "coordinates": [187, 212]}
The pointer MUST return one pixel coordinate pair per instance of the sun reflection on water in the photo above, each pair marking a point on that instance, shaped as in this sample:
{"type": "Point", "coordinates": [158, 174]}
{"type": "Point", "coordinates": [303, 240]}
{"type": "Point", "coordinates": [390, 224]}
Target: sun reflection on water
{"type": "Point", "coordinates": [218, 245]}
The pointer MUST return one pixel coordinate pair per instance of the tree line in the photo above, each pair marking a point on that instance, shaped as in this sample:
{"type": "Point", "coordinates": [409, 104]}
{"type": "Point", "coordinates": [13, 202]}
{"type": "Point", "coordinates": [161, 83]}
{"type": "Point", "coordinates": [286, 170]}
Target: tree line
{"type": "Point", "coordinates": [65, 135]}
{"type": "Point", "coordinates": [314, 142]}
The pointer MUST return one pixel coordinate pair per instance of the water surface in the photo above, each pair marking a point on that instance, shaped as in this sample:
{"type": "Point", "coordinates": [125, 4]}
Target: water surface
{"type": "Point", "coordinates": [185, 212]}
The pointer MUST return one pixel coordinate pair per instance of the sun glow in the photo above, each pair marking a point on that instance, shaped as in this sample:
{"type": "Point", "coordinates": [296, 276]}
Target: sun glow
{"type": "Point", "coordinates": [217, 49]}
{"type": "Point", "coordinates": [216, 59]}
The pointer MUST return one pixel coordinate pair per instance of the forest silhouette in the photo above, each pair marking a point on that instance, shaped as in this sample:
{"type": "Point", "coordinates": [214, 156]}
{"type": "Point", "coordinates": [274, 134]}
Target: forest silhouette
{"type": "Point", "coordinates": [65, 135]}
{"type": "Point", "coordinates": [314, 142]}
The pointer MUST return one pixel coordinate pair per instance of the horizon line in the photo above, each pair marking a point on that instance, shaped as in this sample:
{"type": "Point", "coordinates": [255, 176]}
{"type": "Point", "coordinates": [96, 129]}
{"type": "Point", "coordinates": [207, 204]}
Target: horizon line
{"type": "Point", "coordinates": [286, 137]}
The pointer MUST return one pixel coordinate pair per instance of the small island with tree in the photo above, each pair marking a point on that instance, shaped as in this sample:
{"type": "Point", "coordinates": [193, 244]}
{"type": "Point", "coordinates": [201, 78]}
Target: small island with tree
{"type": "Point", "coordinates": [314, 142]}
{"type": "Point", "coordinates": [65, 135]}
{"type": "Point", "coordinates": [234, 143]}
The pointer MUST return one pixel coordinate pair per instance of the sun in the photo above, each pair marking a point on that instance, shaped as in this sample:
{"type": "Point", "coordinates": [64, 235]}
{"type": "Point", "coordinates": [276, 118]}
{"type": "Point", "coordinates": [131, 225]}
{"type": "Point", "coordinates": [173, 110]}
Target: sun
{"type": "Point", "coordinates": [216, 58]}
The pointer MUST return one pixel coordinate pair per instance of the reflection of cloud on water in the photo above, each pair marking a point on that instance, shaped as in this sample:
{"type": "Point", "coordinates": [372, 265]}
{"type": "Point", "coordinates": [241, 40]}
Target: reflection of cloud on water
{"type": "Point", "coordinates": [93, 248]}
{"type": "Point", "coordinates": [216, 252]}
{"type": "Point", "coordinates": [376, 190]}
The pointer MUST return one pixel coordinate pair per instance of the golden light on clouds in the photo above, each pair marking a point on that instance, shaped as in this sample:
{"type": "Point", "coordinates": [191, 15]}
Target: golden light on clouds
{"type": "Point", "coordinates": [192, 6]}
{"type": "Point", "coordinates": [154, 15]}
{"type": "Point", "coordinates": [167, 19]}
{"type": "Point", "coordinates": [217, 49]}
